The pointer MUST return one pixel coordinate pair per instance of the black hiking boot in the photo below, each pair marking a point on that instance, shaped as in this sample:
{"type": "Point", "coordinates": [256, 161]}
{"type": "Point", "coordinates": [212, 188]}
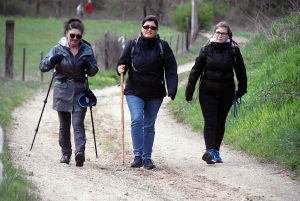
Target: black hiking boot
{"type": "Point", "coordinates": [148, 164]}
{"type": "Point", "coordinates": [79, 158]}
{"type": "Point", "coordinates": [65, 159]}
{"type": "Point", "coordinates": [137, 162]}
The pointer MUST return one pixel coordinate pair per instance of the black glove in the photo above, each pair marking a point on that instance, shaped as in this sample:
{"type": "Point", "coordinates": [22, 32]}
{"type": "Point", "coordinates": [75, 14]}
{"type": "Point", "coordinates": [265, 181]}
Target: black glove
{"type": "Point", "coordinates": [238, 94]}
{"type": "Point", "coordinates": [86, 64]}
{"type": "Point", "coordinates": [56, 59]}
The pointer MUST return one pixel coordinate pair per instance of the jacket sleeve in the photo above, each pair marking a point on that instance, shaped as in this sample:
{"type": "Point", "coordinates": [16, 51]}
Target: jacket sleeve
{"type": "Point", "coordinates": [200, 63]}
{"type": "Point", "coordinates": [170, 67]}
{"type": "Point", "coordinates": [125, 58]}
{"type": "Point", "coordinates": [45, 64]}
{"type": "Point", "coordinates": [240, 71]}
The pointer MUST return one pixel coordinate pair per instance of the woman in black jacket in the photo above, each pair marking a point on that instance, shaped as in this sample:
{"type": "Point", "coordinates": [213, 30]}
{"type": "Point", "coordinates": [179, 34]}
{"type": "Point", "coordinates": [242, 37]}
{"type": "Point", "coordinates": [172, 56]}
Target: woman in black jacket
{"type": "Point", "coordinates": [151, 66]}
{"type": "Point", "coordinates": [216, 64]}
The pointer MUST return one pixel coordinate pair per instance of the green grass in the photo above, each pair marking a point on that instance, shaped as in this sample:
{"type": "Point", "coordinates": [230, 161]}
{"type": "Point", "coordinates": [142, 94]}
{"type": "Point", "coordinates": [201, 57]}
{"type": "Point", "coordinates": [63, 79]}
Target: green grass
{"type": "Point", "coordinates": [12, 94]}
{"type": "Point", "coordinates": [267, 125]}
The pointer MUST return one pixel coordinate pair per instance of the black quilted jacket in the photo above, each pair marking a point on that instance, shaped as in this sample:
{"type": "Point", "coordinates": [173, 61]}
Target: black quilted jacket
{"type": "Point", "coordinates": [148, 72]}
{"type": "Point", "coordinates": [218, 62]}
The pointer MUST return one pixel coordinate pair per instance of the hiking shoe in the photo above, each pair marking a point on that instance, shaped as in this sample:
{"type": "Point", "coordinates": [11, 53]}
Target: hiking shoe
{"type": "Point", "coordinates": [208, 156]}
{"type": "Point", "coordinates": [65, 159]}
{"type": "Point", "coordinates": [148, 164]}
{"type": "Point", "coordinates": [79, 158]}
{"type": "Point", "coordinates": [217, 158]}
{"type": "Point", "coordinates": [137, 162]}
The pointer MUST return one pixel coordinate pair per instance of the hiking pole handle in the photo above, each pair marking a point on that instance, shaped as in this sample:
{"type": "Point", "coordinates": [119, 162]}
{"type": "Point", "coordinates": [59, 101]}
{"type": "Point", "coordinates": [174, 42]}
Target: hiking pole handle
{"type": "Point", "coordinates": [45, 101]}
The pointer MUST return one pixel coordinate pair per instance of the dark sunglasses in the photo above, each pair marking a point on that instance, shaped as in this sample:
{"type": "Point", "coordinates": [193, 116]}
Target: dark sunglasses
{"type": "Point", "coordinates": [152, 28]}
{"type": "Point", "coordinates": [78, 36]}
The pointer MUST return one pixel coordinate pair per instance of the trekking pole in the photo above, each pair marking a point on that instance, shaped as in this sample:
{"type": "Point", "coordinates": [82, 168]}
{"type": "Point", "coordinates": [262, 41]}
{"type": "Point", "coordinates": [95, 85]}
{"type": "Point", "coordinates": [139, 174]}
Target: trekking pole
{"type": "Point", "coordinates": [122, 114]}
{"type": "Point", "coordinates": [92, 119]}
{"type": "Point", "coordinates": [45, 101]}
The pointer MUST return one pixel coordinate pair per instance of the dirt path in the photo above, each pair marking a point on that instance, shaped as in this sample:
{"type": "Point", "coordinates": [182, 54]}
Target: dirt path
{"type": "Point", "coordinates": [180, 172]}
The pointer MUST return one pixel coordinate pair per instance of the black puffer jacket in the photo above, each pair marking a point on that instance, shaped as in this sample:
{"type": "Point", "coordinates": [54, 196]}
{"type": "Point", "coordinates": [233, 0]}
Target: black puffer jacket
{"type": "Point", "coordinates": [148, 69]}
{"type": "Point", "coordinates": [218, 62]}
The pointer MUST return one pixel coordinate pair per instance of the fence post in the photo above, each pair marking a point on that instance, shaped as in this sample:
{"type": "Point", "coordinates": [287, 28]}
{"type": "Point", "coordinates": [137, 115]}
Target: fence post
{"type": "Point", "coordinates": [9, 48]}
{"type": "Point", "coordinates": [106, 44]}
{"type": "Point", "coordinates": [182, 37]}
{"type": "Point", "coordinates": [42, 75]}
{"type": "Point", "coordinates": [177, 44]}
{"type": "Point", "coordinates": [24, 59]}
{"type": "Point", "coordinates": [187, 33]}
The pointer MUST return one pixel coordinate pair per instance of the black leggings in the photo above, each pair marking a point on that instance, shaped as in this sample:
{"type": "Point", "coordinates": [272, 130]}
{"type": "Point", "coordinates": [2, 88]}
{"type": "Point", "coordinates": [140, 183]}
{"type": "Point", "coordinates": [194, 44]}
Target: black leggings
{"type": "Point", "coordinates": [215, 110]}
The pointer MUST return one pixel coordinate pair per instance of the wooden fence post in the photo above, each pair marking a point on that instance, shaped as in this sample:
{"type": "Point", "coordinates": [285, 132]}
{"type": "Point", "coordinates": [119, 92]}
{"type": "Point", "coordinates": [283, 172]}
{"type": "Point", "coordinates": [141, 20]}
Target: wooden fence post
{"type": "Point", "coordinates": [182, 36]}
{"type": "Point", "coordinates": [24, 59]}
{"type": "Point", "coordinates": [106, 44]}
{"type": "Point", "coordinates": [187, 33]}
{"type": "Point", "coordinates": [9, 48]}
{"type": "Point", "coordinates": [177, 44]}
{"type": "Point", "coordinates": [42, 57]}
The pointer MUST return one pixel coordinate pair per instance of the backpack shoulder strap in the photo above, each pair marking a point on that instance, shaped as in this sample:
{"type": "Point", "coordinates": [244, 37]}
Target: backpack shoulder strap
{"type": "Point", "coordinates": [160, 43]}
{"type": "Point", "coordinates": [133, 44]}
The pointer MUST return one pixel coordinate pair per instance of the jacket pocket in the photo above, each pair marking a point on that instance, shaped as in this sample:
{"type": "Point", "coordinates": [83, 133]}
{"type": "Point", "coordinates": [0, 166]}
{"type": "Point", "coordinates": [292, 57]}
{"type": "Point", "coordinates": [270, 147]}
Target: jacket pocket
{"type": "Point", "coordinates": [60, 89]}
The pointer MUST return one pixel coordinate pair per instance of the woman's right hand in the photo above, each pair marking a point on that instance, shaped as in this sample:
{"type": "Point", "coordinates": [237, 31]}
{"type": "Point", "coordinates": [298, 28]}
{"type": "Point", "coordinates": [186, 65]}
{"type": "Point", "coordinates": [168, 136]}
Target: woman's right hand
{"type": "Point", "coordinates": [121, 69]}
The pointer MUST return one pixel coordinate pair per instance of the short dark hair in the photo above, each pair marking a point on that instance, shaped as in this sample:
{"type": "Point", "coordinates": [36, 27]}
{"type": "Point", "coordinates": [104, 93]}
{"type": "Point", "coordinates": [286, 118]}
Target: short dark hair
{"type": "Point", "coordinates": [74, 24]}
{"type": "Point", "coordinates": [150, 18]}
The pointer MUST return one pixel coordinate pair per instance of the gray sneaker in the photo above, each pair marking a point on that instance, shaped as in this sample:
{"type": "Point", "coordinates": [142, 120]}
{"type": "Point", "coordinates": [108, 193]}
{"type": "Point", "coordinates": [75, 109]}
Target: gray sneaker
{"type": "Point", "coordinates": [65, 159]}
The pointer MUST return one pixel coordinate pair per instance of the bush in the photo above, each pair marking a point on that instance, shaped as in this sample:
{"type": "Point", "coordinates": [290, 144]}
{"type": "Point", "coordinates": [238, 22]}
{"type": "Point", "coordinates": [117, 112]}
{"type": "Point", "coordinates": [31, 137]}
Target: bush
{"type": "Point", "coordinates": [205, 15]}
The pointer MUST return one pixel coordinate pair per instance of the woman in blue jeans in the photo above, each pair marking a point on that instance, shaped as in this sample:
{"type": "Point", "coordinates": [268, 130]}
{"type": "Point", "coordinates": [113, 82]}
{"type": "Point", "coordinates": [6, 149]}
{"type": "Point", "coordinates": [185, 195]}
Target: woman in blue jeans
{"type": "Point", "coordinates": [151, 66]}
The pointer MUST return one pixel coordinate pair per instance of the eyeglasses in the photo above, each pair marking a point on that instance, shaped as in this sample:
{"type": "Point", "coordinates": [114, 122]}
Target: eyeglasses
{"type": "Point", "coordinates": [152, 28]}
{"type": "Point", "coordinates": [78, 36]}
{"type": "Point", "coordinates": [221, 34]}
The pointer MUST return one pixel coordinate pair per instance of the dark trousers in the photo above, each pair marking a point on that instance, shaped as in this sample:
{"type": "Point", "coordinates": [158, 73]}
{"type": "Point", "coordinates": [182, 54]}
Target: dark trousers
{"type": "Point", "coordinates": [65, 133]}
{"type": "Point", "coordinates": [215, 110]}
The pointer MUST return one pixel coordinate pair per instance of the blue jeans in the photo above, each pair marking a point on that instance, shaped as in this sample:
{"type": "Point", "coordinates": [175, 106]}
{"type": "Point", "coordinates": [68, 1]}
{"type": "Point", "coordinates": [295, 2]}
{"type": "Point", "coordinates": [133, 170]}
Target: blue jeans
{"type": "Point", "coordinates": [143, 115]}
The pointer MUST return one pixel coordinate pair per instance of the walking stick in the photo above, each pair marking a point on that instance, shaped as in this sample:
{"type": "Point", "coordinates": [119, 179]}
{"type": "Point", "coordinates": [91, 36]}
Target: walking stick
{"type": "Point", "coordinates": [45, 101]}
{"type": "Point", "coordinates": [122, 114]}
{"type": "Point", "coordinates": [87, 88]}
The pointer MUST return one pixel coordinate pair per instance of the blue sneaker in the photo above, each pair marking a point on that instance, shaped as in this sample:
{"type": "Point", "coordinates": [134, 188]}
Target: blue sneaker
{"type": "Point", "coordinates": [217, 158]}
{"type": "Point", "coordinates": [137, 162]}
{"type": "Point", "coordinates": [208, 156]}
{"type": "Point", "coordinates": [148, 164]}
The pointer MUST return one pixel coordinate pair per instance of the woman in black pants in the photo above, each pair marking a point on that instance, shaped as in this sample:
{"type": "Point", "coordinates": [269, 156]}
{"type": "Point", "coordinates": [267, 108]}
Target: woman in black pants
{"type": "Point", "coordinates": [216, 64]}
